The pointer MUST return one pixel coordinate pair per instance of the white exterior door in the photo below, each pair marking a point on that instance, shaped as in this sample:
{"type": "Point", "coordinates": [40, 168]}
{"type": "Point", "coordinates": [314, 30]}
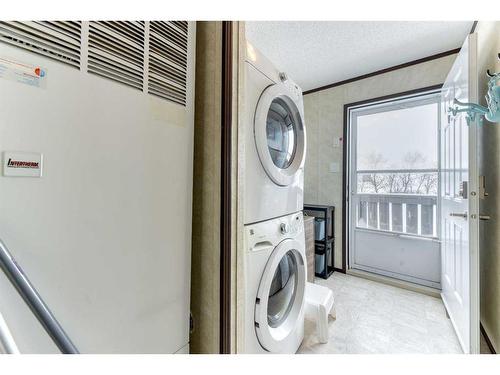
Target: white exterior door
{"type": "Point", "coordinates": [459, 202]}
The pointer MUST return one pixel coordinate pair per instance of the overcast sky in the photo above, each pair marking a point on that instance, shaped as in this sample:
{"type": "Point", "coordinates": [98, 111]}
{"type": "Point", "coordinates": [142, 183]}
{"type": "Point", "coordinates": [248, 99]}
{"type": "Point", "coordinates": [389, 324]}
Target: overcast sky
{"type": "Point", "coordinates": [395, 133]}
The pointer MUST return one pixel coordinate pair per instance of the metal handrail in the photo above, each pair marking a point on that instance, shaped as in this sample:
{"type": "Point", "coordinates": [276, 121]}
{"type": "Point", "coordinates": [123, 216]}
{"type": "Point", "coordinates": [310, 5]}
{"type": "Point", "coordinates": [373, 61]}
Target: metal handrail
{"type": "Point", "coordinates": [401, 170]}
{"type": "Point", "coordinates": [29, 294]}
{"type": "Point", "coordinates": [397, 198]}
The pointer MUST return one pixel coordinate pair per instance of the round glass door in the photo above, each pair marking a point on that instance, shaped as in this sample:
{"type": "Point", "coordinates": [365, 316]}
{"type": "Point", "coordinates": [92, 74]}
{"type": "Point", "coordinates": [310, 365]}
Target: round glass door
{"type": "Point", "coordinates": [283, 290]}
{"type": "Point", "coordinates": [281, 133]}
{"type": "Point", "coordinates": [280, 297]}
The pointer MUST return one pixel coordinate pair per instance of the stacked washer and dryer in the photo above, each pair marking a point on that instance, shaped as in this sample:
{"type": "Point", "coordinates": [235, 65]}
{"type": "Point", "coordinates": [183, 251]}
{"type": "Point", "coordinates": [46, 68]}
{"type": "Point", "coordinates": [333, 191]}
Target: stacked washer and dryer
{"type": "Point", "coordinates": [275, 261]}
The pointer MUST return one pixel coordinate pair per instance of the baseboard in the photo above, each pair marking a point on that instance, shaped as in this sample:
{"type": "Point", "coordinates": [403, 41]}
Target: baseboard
{"type": "Point", "coordinates": [487, 339]}
{"type": "Point", "coordinates": [397, 283]}
{"type": "Point", "coordinates": [338, 270]}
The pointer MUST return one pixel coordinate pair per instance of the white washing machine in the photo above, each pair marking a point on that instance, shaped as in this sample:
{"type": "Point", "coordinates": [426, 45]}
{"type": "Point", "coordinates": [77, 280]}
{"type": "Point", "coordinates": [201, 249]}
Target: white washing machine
{"type": "Point", "coordinates": [275, 277]}
{"type": "Point", "coordinates": [275, 141]}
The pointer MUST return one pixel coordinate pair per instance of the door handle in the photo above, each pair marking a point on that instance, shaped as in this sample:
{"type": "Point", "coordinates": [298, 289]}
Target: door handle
{"type": "Point", "coordinates": [458, 214]}
{"type": "Point", "coordinates": [484, 217]}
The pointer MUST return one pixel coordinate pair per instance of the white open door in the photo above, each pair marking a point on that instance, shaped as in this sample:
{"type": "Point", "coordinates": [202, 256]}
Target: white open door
{"type": "Point", "coordinates": [459, 201]}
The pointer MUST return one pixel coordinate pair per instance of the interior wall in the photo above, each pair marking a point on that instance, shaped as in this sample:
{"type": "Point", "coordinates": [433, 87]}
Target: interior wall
{"type": "Point", "coordinates": [239, 284]}
{"type": "Point", "coordinates": [205, 266]}
{"type": "Point", "coordinates": [324, 111]}
{"type": "Point", "coordinates": [488, 47]}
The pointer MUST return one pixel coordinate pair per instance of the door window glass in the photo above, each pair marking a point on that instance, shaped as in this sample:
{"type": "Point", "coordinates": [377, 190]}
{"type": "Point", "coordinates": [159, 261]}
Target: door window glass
{"type": "Point", "coordinates": [395, 164]}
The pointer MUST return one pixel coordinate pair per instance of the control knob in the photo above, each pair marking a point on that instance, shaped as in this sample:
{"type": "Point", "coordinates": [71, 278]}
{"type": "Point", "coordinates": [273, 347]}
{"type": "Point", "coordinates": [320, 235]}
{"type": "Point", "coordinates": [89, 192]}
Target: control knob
{"type": "Point", "coordinates": [285, 228]}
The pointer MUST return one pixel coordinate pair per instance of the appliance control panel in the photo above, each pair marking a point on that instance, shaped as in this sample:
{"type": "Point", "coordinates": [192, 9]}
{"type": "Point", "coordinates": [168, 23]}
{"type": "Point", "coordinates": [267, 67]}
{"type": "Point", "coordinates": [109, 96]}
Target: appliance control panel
{"type": "Point", "coordinates": [293, 226]}
{"type": "Point", "coordinates": [297, 92]}
{"type": "Point", "coordinates": [294, 88]}
{"type": "Point", "coordinates": [261, 236]}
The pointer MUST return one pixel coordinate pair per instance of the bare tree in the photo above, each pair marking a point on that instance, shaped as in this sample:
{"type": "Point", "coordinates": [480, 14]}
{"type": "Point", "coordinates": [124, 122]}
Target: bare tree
{"type": "Point", "coordinates": [426, 182]}
{"type": "Point", "coordinates": [410, 182]}
{"type": "Point", "coordinates": [407, 182]}
{"type": "Point", "coordinates": [376, 181]}
{"type": "Point", "coordinates": [430, 183]}
{"type": "Point", "coordinates": [393, 185]}
{"type": "Point", "coordinates": [420, 180]}
{"type": "Point", "coordinates": [414, 160]}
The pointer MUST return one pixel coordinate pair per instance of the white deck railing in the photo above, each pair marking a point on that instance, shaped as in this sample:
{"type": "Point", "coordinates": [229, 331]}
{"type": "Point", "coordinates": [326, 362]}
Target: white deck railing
{"type": "Point", "coordinates": [410, 214]}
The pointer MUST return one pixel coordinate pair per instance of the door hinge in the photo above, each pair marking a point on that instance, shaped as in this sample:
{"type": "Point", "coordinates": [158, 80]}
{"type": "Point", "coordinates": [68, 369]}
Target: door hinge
{"type": "Point", "coordinates": [191, 323]}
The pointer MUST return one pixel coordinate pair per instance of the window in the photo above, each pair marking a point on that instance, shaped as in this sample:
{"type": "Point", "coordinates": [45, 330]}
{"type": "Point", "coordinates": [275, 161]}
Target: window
{"type": "Point", "coordinates": [395, 162]}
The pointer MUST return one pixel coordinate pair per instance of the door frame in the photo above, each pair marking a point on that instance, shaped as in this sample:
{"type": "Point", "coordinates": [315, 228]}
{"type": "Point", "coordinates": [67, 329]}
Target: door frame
{"type": "Point", "coordinates": [431, 243]}
{"type": "Point", "coordinates": [346, 173]}
{"type": "Point", "coordinates": [226, 188]}
{"type": "Point", "coordinates": [474, 266]}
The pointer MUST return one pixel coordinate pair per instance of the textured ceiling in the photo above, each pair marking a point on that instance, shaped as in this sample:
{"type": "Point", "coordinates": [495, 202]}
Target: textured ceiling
{"type": "Point", "coordinates": [315, 54]}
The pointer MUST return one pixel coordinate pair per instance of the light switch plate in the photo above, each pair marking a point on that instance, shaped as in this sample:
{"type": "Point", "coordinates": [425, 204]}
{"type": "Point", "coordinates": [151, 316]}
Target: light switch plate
{"type": "Point", "coordinates": [337, 142]}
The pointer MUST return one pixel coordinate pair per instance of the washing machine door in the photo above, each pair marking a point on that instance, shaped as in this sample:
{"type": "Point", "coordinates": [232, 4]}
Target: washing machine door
{"type": "Point", "coordinates": [280, 133]}
{"type": "Point", "coordinates": [280, 298]}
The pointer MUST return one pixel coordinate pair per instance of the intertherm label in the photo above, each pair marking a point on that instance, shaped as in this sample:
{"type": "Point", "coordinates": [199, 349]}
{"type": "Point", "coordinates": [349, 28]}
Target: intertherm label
{"type": "Point", "coordinates": [22, 164]}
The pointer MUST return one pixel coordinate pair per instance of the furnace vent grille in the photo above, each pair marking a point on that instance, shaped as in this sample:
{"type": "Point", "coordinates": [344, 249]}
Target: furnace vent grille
{"type": "Point", "coordinates": [168, 45]}
{"type": "Point", "coordinates": [116, 51]}
{"type": "Point", "coordinates": [123, 51]}
{"type": "Point", "coordinates": [59, 40]}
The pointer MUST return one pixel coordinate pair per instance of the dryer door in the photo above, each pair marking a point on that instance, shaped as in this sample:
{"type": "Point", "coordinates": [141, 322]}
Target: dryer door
{"type": "Point", "coordinates": [280, 299]}
{"type": "Point", "coordinates": [280, 133]}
